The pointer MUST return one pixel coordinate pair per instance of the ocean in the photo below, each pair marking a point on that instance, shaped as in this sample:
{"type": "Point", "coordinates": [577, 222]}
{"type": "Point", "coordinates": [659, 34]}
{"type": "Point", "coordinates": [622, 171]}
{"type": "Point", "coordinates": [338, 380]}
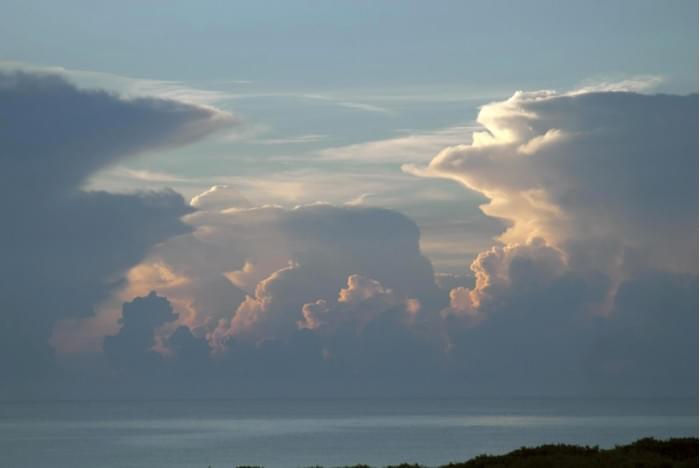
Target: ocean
{"type": "Point", "coordinates": [330, 432]}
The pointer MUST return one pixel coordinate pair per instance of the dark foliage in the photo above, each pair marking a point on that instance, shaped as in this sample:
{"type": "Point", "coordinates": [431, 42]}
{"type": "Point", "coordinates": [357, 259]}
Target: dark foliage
{"type": "Point", "coordinates": [644, 453]}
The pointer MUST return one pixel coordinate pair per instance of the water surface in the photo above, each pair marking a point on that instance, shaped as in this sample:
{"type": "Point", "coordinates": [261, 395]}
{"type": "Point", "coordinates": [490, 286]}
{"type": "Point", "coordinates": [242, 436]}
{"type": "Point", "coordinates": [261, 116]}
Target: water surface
{"type": "Point", "coordinates": [304, 432]}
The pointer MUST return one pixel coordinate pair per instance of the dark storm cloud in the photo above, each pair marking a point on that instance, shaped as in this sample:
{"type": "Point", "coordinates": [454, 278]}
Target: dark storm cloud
{"type": "Point", "coordinates": [54, 135]}
{"type": "Point", "coordinates": [133, 345]}
{"type": "Point", "coordinates": [651, 346]}
{"type": "Point", "coordinates": [594, 288]}
{"type": "Point", "coordinates": [589, 292]}
{"type": "Point", "coordinates": [63, 249]}
{"type": "Point", "coordinates": [377, 334]}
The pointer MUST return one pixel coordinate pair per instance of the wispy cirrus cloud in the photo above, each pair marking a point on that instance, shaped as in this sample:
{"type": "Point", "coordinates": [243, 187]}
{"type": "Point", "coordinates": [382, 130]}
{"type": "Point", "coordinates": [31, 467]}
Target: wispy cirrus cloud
{"type": "Point", "coordinates": [145, 175]}
{"type": "Point", "coordinates": [291, 140]}
{"type": "Point", "coordinates": [128, 86]}
{"type": "Point", "coordinates": [412, 147]}
{"type": "Point", "coordinates": [631, 84]}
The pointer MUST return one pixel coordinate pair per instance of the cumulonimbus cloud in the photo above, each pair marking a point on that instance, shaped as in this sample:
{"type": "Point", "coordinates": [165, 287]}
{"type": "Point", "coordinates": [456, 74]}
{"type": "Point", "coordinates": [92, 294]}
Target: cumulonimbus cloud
{"type": "Point", "coordinates": [64, 249]}
{"type": "Point", "coordinates": [586, 170]}
{"type": "Point", "coordinates": [251, 299]}
{"type": "Point", "coordinates": [325, 296]}
{"type": "Point", "coordinates": [600, 191]}
{"type": "Point", "coordinates": [267, 262]}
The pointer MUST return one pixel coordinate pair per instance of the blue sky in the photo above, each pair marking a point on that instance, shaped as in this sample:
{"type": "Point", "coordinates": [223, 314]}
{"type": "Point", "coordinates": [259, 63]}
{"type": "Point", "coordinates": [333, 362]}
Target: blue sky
{"type": "Point", "coordinates": [308, 76]}
{"type": "Point", "coordinates": [364, 46]}
{"type": "Point", "coordinates": [444, 159]}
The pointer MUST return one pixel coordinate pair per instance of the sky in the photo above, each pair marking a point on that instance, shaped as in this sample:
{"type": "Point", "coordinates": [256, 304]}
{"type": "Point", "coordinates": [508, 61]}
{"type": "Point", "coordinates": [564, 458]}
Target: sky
{"type": "Point", "coordinates": [208, 199]}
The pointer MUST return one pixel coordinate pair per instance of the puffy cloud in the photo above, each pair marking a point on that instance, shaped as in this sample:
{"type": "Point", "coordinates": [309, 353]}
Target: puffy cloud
{"type": "Point", "coordinates": [286, 258]}
{"type": "Point", "coordinates": [359, 289]}
{"type": "Point", "coordinates": [269, 264]}
{"type": "Point", "coordinates": [135, 342]}
{"type": "Point", "coordinates": [586, 169]}
{"type": "Point", "coordinates": [359, 303]}
{"type": "Point", "coordinates": [374, 336]}
{"type": "Point", "coordinates": [266, 314]}
{"type": "Point", "coordinates": [138, 346]}
{"type": "Point", "coordinates": [65, 249]}
{"type": "Point", "coordinates": [314, 314]}
{"type": "Point", "coordinates": [599, 190]}
{"type": "Point", "coordinates": [138, 360]}
{"type": "Point", "coordinates": [505, 269]}
{"type": "Point", "coordinates": [588, 290]}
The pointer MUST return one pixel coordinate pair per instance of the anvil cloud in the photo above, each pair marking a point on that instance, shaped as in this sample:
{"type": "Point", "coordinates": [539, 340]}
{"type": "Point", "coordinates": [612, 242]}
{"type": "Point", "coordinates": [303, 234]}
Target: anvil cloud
{"type": "Point", "coordinates": [591, 289]}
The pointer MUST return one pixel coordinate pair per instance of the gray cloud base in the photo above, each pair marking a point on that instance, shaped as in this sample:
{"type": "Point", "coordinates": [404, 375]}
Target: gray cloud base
{"type": "Point", "coordinates": [64, 249]}
{"type": "Point", "coordinates": [323, 300]}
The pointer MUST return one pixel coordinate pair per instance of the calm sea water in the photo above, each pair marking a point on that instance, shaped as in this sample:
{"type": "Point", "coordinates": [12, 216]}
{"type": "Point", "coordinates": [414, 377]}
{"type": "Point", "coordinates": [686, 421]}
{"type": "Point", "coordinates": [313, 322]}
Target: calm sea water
{"type": "Point", "coordinates": [293, 433]}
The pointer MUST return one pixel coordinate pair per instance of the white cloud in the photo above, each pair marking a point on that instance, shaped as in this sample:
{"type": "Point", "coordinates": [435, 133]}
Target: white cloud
{"type": "Point", "coordinates": [127, 86]}
{"type": "Point", "coordinates": [292, 140]}
{"type": "Point", "coordinates": [144, 175]}
{"type": "Point", "coordinates": [414, 147]}
{"type": "Point", "coordinates": [584, 168]}
{"type": "Point", "coordinates": [219, 197]}
{"type": "Point", "coordinates": [360, 302]}
{"type": "Point", "coordinates": [633, 84]}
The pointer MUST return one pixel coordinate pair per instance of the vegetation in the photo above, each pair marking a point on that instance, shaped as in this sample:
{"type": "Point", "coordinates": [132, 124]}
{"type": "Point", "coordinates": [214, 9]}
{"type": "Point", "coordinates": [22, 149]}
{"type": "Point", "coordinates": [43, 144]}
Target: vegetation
{"type": "Point", "coordinates": [644, 453]}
